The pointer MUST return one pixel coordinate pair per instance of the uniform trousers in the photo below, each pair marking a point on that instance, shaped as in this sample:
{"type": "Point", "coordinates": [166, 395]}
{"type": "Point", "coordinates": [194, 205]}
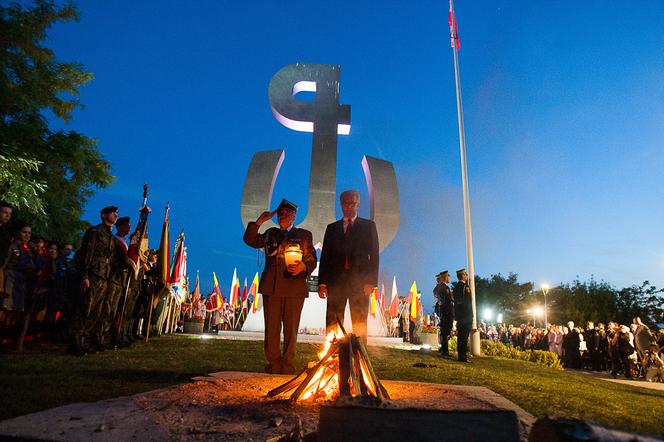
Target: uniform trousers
{"type": "Point", "coordinates": [342, 291]}
{"type": "Point", "coordinates": [88, 309]}
{"type": "Point", "coordinates": [445, 332]}
{"type": "Point", "coordinates": [278, 310]}
{"type": "Point", "coordinates": [463, 331]}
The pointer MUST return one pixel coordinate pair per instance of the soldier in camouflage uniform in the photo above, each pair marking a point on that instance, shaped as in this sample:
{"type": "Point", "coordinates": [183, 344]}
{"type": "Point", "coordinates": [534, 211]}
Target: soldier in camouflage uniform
{"type": "Point", "coordinates": [115, 290]}
{"type": "Point", "coordinates": [94, 261]}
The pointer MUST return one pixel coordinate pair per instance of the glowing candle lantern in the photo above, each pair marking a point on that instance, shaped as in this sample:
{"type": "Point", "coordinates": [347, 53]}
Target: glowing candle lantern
{"type": "Point", "coordinates": [293, 254]}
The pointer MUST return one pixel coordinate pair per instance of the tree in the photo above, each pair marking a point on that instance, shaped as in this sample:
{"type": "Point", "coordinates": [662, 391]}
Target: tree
{"type": "Point", "coordinates": [62, 167]}
{"type": "Point", "coordinates": [503, 294]}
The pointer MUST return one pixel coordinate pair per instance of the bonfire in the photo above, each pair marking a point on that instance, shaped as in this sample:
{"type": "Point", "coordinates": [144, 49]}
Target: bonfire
{"type": "Point", "coordinates": [343, 371]}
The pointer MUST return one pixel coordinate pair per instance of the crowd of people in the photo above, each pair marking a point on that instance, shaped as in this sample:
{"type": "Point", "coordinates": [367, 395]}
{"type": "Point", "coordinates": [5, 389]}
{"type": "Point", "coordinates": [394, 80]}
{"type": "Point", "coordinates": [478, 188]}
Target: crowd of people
{"type": "Point", "coordinates": [631, 350]}
{"type": "Point", "coordinates": [92, 298]}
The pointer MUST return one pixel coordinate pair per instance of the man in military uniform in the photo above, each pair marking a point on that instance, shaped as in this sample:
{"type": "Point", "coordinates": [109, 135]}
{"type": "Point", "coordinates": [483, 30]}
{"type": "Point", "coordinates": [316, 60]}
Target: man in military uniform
{"type": "Point", "coordinates": [94, 261]}
{"type": "Point", "coordinates": [463, 312]}
{"type": "Point", "coordinates": [445, 306]}
{"type": "Point", "coordinates": [283, 287]}
{"type": "Point", "coordinates": [117, 284]}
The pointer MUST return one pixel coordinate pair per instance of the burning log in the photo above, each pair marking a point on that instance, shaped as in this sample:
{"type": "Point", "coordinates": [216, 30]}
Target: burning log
{"type": "Point", "coordinates": [343, 371]}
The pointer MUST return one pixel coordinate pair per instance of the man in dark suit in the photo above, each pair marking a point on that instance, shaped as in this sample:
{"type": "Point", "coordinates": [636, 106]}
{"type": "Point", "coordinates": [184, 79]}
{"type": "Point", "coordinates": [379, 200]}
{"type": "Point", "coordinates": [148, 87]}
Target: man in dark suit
{"type": "Point", "coordinates": [283, 286]}
{"type": "Point", "coordinates": [463, 312]}
{"type": "Point", "coordinates": [445, 304]}
{"type": "Point", "coordinates": [349, 265]}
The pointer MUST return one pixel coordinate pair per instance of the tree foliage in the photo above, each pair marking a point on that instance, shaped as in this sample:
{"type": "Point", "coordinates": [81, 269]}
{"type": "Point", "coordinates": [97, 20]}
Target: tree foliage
{"type": "Point", "coordinates": [66, 164]}
{"type": "Point", "coordinates": [592, 300]}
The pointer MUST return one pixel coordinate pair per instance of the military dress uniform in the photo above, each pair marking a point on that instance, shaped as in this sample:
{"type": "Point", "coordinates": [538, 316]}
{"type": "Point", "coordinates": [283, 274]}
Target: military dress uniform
{"type": "Point", "coordinates": [283, 293]}
{"type": "Point", "coordinates": [463, 312]}
{"type": "Point", "coordinates": [445, 304]}
{"type": "Point", "coordinates": [94, 260]}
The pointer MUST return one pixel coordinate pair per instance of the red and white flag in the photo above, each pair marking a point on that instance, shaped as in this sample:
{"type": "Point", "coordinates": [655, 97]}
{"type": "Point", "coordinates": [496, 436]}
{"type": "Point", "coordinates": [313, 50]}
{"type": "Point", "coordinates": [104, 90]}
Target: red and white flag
{"type": "Point", "coordinates": [454, 28]}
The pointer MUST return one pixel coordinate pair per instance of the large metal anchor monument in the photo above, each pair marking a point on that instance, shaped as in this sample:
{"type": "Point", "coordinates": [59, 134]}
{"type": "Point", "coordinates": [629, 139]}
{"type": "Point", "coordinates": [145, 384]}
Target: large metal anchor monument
{"type": "Point", "coordinates": [326, 119]}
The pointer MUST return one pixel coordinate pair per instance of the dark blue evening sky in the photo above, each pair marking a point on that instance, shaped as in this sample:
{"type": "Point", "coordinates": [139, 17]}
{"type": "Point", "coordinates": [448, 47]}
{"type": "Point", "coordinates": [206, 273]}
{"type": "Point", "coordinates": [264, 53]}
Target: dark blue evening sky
{"type": "Point", "coordinates": [564, 113]}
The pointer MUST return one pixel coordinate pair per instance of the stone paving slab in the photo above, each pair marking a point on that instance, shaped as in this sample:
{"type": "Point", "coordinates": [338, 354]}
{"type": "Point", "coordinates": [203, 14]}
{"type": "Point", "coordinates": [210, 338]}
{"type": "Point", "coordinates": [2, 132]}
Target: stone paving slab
{"type": "Point", "coordinates": [222, 406]}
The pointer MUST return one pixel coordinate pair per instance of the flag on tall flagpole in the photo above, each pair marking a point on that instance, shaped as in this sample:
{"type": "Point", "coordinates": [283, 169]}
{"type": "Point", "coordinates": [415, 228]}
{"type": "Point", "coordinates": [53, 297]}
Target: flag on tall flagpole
{"type": "Point", "coordinates": [163, 264]}
{"type": "Point", "coordinates": [454, 28]}
{"type": "Point", "coordinates": [412, 295]}
{"type": "Point", "coordinates": [394, 302]}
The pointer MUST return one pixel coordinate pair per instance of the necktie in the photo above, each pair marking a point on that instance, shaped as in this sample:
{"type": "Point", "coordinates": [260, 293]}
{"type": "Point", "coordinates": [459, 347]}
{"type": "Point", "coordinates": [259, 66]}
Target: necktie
{"type": "Point", "coordinates": [349, 227]}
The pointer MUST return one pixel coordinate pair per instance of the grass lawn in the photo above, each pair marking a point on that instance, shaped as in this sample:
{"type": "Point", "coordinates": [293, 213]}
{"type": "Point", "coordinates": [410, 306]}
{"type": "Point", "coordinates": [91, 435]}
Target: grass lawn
{"type": "Point", "coordinates": [41, 379]}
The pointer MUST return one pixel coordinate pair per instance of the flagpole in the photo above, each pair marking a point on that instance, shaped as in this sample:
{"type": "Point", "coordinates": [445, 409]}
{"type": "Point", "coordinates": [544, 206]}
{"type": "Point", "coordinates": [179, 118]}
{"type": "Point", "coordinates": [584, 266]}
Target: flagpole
{"type": "Point", "coordinates": [474, 334]}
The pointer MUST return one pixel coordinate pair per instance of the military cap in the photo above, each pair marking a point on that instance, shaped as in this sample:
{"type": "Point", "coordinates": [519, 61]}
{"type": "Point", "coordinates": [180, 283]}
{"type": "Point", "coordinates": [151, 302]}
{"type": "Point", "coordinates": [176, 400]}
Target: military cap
{"type": "Point", "coordinates": [122, 220]}
{"type": "Point", "coordinates": [109, 209]}
{"type": "Point", "coordinates": [460, 272]}
{"type": "Point", "coordinates": [285, 204]}
{"type": "Point", "coordinates": [441, 274]}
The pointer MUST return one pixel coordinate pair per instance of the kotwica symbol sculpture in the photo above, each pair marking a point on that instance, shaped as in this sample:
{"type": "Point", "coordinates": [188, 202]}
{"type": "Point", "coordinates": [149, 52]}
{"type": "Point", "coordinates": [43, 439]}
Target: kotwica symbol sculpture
{"type": "Point", "coordinates": [326, 119]}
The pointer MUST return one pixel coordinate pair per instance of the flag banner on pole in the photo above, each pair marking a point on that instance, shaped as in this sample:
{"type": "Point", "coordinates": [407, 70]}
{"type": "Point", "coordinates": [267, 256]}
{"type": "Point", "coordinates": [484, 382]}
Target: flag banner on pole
{"type": "Point", "coordinates": [454, 28]}
{"type": "Point", "coordinates": [196, 296]}
{"type": "Point", "coordinates": [163, 265]}
{"type": "Point", "coordinates": [253, 290]}
{"type": "Point", "coordinates": [412, 295]}
{"type": "Point", "coordinates": [394, 303]}
{"type": "Point", "coordinates": [374, 294]}
{"type": "Point", "coordinates": [219, 300]}
{"type": "Point", "coordinates": [235, 289]}
{"type": "Point", "coordinates": [138, 240]}
{"type": "Point", "coordinates": [245, 295]}
{"type": "Point", "coordinates": [178, 264]}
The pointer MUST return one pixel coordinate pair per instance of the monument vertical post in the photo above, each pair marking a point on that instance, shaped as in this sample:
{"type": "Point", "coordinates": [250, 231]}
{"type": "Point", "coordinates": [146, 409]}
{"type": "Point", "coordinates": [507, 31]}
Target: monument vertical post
{"type": "Point", "coordinates": [454, 40]}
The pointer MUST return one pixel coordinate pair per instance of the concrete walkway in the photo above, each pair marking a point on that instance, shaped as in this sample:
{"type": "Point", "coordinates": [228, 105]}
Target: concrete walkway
{"type": "Point", "coordinates": [621, 379]}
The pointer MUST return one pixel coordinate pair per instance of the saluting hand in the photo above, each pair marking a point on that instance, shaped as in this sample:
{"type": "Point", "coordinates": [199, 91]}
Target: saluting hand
{"type": "Point", "coordinates": [367, 289]}
{"type": "Point", "coordinates": [264, 217]}
{"type": "Point", "coordinates": [322, 291]}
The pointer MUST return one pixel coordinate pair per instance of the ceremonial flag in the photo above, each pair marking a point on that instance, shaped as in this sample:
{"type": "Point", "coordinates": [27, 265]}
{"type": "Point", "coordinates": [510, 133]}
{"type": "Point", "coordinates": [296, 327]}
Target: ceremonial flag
{"type": "Point", "coordinates": [138, 241]}
{"type": "Point", "coordinates": [163, 264]}
{"type": "Point", "coordinates": [454, 28]}
{"type": "Point", "coordinates": [219, 301]}
{"type": "Point", "coordinates": [394, 303]}
{"type": "Point", "coordinates": [179, 263]}
{"type": "Point", "coordinates": [235, 289]}
{"type": "Point", "coordinates": [374, 294]}
{"type": "Point", "coordinates": [196, 297]}
{"type": "Point", "coordinates": [245, 295]}
{"type": "Point", "coordinates": [253, 290]}
{"type": "Point", "coordinates": [412, 295]}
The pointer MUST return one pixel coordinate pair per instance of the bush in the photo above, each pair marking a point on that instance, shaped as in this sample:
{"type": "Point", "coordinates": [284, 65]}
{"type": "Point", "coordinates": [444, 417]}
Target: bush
{"type": "Point", "coordinates": [540, 357]}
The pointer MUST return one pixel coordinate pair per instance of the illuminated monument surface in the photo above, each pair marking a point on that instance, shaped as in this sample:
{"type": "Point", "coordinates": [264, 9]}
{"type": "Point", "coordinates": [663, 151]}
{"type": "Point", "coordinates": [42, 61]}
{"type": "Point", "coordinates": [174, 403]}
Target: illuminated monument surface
{"type": "Point", "coordinates": [326, 119]}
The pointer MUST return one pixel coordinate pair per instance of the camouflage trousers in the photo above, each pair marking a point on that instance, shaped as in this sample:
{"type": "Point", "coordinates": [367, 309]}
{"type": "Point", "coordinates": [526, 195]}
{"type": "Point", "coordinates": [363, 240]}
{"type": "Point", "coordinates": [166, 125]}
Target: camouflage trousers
{"type": "Point", "coordinates": [114, 293]}
{"type": "Point", "coordinates": [87, 308]}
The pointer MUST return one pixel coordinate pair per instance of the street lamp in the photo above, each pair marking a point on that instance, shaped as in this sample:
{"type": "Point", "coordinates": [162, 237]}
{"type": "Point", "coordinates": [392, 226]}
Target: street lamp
{"type": "Point", "coordinates": [545, 290]}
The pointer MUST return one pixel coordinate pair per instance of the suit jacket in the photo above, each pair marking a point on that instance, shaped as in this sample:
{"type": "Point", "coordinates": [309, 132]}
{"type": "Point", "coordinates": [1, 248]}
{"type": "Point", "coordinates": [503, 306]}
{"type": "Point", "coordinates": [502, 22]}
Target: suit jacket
{"type": "Point", "coordinates": [361, 249]}
{"type": "Point", "coordinates": [275, 279]}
